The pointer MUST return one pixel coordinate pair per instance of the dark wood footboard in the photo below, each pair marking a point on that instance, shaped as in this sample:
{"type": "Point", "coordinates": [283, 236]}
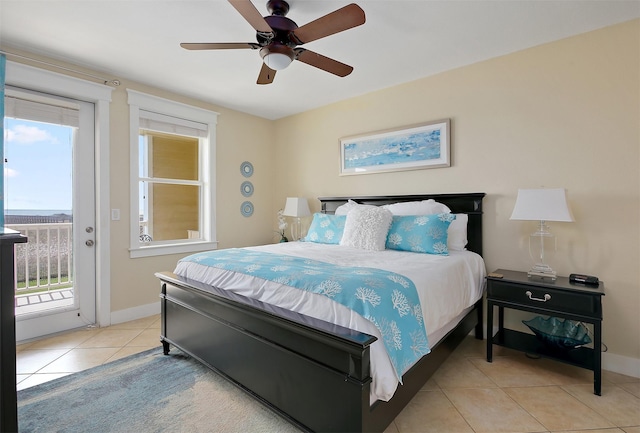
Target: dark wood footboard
{"type": "Point", "coordinates": [315, 374]}
{"type": "Point", "coordinates": [302, 367]}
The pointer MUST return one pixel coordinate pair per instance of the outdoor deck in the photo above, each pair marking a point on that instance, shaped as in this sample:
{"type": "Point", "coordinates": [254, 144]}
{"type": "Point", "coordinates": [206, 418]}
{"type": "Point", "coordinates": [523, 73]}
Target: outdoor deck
{"type": "Point", "coordinates": [44, 278]}
{"type": "Point", "coordinates": [43, 301]}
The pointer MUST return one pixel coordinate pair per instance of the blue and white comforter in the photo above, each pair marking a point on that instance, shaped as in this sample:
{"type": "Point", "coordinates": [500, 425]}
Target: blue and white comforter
{"type": "Point", "coordinates": [387, 299]}
{"type": "Point", "coordinates": [446, 285]}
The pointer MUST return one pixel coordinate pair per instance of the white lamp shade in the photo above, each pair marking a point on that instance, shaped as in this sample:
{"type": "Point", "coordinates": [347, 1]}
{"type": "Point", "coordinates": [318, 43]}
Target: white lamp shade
{"type": "Point", "coordinates": [296, 207]}
{"type": "Point", "coordinates": [542, 205]}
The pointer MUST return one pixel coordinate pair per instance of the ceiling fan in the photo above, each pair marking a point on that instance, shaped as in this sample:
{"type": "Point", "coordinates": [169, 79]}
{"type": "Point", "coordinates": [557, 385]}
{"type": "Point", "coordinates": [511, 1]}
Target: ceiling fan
{"type": "Point", "coordinates": [279, 37]}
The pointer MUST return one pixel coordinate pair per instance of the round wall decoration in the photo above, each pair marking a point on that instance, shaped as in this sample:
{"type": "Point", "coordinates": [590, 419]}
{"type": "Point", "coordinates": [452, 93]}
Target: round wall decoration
{"type": "Point", "coordinates": [246, 168]}
{"type": "Point", "coordinates": [246, 209]}
{"type": "Point", "coordinates": [246, 188]}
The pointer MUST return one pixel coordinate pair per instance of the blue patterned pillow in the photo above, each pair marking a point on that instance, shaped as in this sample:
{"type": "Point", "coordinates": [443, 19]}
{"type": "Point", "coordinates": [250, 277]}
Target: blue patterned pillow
{"type": "Point", "coordinates": [326, 229]}
{"type": "Point", "coordinates": [420, 233]}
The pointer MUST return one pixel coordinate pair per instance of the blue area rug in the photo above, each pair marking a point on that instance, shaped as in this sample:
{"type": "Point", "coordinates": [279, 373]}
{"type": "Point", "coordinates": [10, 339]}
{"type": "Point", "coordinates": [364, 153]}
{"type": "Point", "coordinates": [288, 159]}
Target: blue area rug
{"type": "Point", "coordinates": [129, 395]}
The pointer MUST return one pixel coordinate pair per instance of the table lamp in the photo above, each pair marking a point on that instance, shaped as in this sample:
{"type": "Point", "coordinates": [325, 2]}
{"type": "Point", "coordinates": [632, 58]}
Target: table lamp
{"type": "Point", "coordinates": [542, 205]}
{"type": "Point", "coordinates": [296, 207]}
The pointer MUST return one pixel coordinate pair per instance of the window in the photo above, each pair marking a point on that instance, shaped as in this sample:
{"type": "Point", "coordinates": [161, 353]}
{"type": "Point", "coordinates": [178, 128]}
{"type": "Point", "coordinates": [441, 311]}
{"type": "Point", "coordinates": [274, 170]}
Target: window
{"type": "Point", "coordinates": [172, 179]}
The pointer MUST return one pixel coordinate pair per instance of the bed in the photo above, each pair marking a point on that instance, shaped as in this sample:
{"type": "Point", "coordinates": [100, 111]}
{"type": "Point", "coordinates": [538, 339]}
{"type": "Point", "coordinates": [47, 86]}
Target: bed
{"type": "Point", "coordinates": [316, 374]}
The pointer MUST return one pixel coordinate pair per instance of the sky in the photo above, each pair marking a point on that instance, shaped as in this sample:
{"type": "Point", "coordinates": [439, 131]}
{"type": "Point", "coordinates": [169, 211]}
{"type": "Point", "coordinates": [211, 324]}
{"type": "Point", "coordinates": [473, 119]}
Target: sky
{"type": "Point", "coordinates": [38, 171]}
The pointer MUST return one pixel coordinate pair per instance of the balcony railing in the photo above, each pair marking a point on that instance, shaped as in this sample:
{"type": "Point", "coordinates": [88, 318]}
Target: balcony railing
{"type": "Point", "coordinates": [45, 262]}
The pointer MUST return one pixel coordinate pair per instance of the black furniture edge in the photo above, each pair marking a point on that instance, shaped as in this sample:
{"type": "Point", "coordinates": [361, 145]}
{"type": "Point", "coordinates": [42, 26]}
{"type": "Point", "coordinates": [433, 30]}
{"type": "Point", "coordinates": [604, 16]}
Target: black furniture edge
{"type": "Point", "coordinates": [313, 373]}
{"type": "Point", "coordinates": [8, 396]}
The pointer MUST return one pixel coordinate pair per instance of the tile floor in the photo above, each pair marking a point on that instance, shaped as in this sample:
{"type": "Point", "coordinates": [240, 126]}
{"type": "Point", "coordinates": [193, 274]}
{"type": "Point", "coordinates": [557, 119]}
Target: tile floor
{"type": "Point", "coordinates": [466, 395]}
{"type": "Point", "coordinates": [49, 358]}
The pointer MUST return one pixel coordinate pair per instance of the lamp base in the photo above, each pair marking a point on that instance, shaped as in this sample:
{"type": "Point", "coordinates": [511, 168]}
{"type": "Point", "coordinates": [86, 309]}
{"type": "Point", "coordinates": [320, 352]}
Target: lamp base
{"type": "Point", "coordinates": [541, 270]}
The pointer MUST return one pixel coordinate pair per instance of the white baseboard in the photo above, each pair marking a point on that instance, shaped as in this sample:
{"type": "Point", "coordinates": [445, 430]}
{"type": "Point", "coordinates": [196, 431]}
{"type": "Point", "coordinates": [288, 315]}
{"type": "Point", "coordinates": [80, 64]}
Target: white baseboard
{"type": "Point", "coordinates": [135, 313]}
{"type": "Point", "coordinates": [621, 364]}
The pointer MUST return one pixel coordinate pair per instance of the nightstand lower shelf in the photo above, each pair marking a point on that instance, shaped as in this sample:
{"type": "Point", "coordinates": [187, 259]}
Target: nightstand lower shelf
{"type": "Point", "coordinates": [579, 357]}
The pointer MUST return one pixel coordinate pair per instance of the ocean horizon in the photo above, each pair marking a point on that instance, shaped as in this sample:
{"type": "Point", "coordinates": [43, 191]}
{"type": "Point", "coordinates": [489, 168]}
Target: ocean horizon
{"type": "Point", "coordinates": [37, 212]}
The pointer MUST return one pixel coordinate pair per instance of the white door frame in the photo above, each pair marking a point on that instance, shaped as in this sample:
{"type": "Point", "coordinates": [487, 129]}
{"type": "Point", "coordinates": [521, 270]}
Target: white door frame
{"type": "Point", "coordinates": [28, 77]}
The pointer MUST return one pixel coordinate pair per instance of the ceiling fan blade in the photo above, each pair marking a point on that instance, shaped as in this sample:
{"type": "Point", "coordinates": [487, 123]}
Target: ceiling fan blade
{"type": "Point", "coordinates": [337, 21]}
{"type": "Point", "coordinates": [321, 62]}
{"type": "Point", "coordinates": [253, 17]}
{"type": "Point", "coordinates": [219, 46]}
{"type": "Point", "coordinates": [266, 75]}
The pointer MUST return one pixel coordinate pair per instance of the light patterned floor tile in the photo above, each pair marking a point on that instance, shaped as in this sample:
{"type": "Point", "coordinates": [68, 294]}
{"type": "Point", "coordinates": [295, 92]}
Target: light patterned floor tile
{"type": "Point", "coordinates": [615, 404]}
{"type": "Point", "coordinates": [556, 409]}
{"type": "Point", "coordinates": [431, 385]}
{"type": "Point", "coordinates": [31, 361]}
{"type": "Point", "coordinates": [391, 428]}
{"type": "Point", "coordinates": [460, 372]}
{"type": "Point", "coordinates": [111, 338]}
{"type": "Point", "coordinates": [633, 388]}
{"type": "Point", "coordinates": [492, 411]}
{"type": "Point", "coordinates": [128, 351]}
{"type": "Point", "coordinates": [466, 409]}
{"type": "Point", "coordinates": [143, 323]}
{"type": "Point", "coordinates": [600, 430]}
{"type": "Point", "coordinates": [80, 359]}
{"type": "Point", "coordinates": [147, 338]}
{"type": "Point", "coordinates": [474, 348]}
{"type": "Point", "coordinates": [65, 341]}
{"type": "Point", "coordinates": [431, 411]}
{"type": "Point", "coordinates": [516, 371]}
{"type": "Point", "coordinates": [610, 376]}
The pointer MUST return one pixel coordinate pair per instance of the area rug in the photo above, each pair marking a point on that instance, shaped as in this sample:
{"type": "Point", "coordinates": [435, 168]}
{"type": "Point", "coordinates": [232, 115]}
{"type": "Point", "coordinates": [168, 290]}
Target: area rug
{"type": "Point", "coordinates": [129, 395]}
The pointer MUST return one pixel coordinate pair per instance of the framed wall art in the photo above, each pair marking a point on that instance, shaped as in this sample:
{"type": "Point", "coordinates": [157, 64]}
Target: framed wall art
{"type": "Point", "coordinates": [426, 145]}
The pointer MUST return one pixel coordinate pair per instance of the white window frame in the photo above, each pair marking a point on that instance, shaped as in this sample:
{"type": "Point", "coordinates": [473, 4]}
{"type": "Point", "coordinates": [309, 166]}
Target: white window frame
{"type": "Point", "coordinates": [207, 163]}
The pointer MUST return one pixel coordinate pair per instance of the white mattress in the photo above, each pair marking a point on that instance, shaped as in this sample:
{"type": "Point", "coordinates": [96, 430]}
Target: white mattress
{"type": "Point", "coordinates": [447, 287]}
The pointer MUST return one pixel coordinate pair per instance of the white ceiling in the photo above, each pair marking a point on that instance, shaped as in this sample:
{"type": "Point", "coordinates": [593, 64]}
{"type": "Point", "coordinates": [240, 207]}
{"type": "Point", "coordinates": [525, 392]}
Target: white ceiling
{"type": "Point", "coordinates": [401, 41]}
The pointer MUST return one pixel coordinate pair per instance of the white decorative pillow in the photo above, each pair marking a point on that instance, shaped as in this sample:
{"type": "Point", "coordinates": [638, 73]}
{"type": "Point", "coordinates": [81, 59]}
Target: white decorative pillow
{"type": "Point", "coordinates": [457, 233]}
{"type": "Point", "coordinates": [366, 228]}
{"type": "Point", "coordinates": [345, 208]}
{"type": "Point", "coordinates": [424, 207]}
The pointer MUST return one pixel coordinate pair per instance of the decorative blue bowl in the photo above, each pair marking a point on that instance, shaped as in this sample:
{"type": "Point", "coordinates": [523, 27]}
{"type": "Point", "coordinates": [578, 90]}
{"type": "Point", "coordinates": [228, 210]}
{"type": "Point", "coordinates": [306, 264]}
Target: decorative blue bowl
{"type": "Point", "coordinates": [558, 333]}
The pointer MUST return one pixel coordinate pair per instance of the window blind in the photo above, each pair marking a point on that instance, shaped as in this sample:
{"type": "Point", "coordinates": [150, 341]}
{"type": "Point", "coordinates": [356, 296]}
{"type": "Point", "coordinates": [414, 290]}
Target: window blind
{"type": "Point", "coordinates": [40, 112]}
{"type": "Point", "coordinates": [172, 125]}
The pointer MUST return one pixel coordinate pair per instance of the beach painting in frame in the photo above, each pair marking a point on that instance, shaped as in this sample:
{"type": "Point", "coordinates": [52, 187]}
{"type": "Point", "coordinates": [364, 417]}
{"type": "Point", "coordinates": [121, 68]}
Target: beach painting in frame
{"type": "Point", "coordinates": [426, 145]}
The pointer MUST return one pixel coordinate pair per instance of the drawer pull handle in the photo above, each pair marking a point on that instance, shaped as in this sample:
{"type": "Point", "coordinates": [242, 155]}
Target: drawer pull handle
{"type": "Point", "coordinates": [546, 297]}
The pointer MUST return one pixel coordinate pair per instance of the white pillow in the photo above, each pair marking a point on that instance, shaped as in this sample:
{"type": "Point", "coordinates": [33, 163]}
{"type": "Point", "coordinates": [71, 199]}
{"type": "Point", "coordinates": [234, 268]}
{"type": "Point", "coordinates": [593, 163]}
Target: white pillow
{"type": "Point", "coordinates": [457, 233]}
{"type": "Point", "coordinates": [345, 208]}
{"type": "Point", "coordinates": [424, 207]}
{"type": "Point", "coordinates": [366, 228]}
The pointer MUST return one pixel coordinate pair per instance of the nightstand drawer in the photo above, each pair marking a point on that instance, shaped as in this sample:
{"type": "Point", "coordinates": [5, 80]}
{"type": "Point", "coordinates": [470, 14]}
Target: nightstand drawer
{"type": "Point", "coordinates": [546, 298]}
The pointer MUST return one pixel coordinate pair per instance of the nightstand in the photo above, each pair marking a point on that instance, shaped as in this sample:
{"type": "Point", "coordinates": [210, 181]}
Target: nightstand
{"type": "Point", "coordinates": [558, 298]}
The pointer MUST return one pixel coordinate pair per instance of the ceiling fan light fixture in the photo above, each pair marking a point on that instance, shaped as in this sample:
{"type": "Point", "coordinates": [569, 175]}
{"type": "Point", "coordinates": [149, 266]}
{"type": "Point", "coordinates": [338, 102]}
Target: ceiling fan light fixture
{"type": "Point", "coordinates": [278, 36]}
{"type": "Point", "coordinates": [277, 56]}
{"type": "Point", "coordinates": [277, 61]}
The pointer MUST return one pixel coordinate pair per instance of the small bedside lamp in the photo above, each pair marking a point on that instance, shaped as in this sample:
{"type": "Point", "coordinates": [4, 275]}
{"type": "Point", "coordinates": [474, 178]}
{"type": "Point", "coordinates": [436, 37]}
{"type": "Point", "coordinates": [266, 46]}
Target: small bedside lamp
{"type": "Point", "coordinates": [542, 205]}
{"type": "Point", "coordinates": [296, 207]}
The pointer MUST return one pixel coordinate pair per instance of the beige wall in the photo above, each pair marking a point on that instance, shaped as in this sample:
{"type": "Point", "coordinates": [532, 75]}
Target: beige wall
{"type": "Point", "coordinates": [565, 114]}
{"type": "Point", "coordinates": [240, 137]}
{"type": "Point", "coordinates": [559, 115]}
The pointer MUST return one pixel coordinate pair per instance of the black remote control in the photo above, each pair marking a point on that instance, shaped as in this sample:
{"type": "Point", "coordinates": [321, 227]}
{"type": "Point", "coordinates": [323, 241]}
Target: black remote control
{"type": "Point", "coordinates": [584, 279]}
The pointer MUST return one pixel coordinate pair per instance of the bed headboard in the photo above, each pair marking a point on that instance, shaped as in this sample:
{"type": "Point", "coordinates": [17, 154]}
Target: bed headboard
{"type": "Point", "coordinates": [469, 203]}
